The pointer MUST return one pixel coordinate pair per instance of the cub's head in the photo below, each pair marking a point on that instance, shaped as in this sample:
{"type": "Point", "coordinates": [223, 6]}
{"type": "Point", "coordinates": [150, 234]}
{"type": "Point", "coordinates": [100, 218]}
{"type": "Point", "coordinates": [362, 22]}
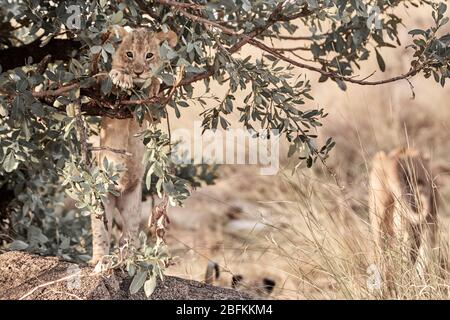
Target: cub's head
{"type": "Point", "coordinates": [258, 287]}
{"type": "Point", "coordinates": [138, 52]}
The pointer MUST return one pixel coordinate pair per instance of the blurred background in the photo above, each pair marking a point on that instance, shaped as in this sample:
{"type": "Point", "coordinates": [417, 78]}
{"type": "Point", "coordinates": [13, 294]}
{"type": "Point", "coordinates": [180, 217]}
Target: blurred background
{"type": "Point", "coordinates": [308, 231]}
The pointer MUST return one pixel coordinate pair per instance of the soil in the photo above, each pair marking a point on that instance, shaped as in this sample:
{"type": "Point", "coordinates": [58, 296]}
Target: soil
{"type": "Point", "coordinates": [28, 276]}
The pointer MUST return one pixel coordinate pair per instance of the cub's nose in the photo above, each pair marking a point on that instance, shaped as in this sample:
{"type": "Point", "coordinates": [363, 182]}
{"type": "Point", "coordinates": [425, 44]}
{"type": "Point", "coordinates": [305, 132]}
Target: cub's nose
{"type": "Point", "coordinates": [138, 70]}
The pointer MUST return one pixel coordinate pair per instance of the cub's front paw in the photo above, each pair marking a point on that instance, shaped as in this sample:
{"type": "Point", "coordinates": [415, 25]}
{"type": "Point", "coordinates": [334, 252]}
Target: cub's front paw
{"type": "Point", "coordinates": [120, 79]}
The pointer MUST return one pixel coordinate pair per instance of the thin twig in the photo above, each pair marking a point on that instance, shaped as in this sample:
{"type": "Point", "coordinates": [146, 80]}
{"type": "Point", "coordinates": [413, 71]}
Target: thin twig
{"type": "Point", "coordinates": [41, 66]}
{"type": "Point", "coordinates": [300, 57]}
{"type": "Point", "coordinates": [181, 5]}
{"type": "Point", "coordinates": [105, 148]}
{"type": "Point", "coordinates": [178, 79]}
{"type": "Point", "coordinates": [204, 21]}
{"type": "Point", "coordinates": [311, 37]}
{"type": "Point", "coordinates": [81, 128]}
{"type": "Point", "coordinates": [138, 101]}
{"type": "Point", "coordinates": [58, 92]}
{"type": "Point", "coordinates": [67, 293]}
{"type": "Point", "coordinates": [96, 56]}
{"type": "Point", "coordinates": [81, 133]}
{"type": "Point", "coordinates": [43, 285]}
{"type": "Point", "coordinates": [292, 49]}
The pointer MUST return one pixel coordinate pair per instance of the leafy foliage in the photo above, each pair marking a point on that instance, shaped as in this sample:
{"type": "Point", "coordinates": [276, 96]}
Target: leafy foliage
{"type": "Point", "coordinates": [143, 263]}
{"type": "Point", "coordinates": [90, 188]}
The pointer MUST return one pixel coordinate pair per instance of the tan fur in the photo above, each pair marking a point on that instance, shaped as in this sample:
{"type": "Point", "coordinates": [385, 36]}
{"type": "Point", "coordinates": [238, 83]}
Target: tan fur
{"type": "Point", "coordinates": [121, 134]}
{"type": "Point", "coordinates": [402, 205]}
{"type": "Point", "coordinates": [212, 272]}
{"type": "Point", "coordinates": [137, 68]}
{"type": "Point", "coordinates": [258, 288]}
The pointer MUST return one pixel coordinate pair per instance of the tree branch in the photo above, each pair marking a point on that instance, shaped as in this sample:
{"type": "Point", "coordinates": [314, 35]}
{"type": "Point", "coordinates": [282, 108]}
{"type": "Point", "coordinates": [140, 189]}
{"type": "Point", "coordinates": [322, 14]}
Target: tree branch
{"type": "Point", "coordinates": [311, 37]}
{"type": "Point", "coordinates": [292, 49]}
{"type": "Point", "coordinates": [333, 75]}
{"type": "Point", "coordinates": [106, 148]}
{"type": "Point", "coordinates": [207, 22]}
{"type": "Point", "coordinates": [58, 92]}
{"type": "Point", "coordinates": [81, 129]}
{"type": "Point", "coordinates": [182, 5]}
{"type": "Point", "coordinates": [105, 106]}
{"type": "Point", "coordinates": [273, 18]}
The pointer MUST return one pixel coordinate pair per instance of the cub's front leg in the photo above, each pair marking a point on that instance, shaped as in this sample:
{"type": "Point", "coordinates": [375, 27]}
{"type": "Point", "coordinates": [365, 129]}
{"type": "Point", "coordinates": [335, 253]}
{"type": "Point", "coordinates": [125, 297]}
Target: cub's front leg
{"type": "Point", "coordinates": [129, 205]}
{"type": "Point", "coordinates": [154, 88]}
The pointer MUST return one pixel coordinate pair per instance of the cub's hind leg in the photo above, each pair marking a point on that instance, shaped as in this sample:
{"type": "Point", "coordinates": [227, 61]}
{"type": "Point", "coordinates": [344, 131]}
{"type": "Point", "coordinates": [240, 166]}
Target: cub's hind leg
{"type": "Point", "coordinates": [101, 236]}
{"type": "Point", "coordinates": [129, 205]}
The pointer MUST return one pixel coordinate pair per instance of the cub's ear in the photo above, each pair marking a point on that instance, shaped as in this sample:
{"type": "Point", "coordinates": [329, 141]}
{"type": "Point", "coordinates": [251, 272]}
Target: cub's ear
{"type": "Point", "coordinates": [170, 36]}
{"type": "Point", "coordinates": [118, 31]}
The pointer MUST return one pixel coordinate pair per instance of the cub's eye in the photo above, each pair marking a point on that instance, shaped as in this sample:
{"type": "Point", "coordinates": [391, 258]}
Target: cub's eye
{"type": "Point", "coordinates": [149, 55]}
{"type": "Point", "coordinates": [129, 54]}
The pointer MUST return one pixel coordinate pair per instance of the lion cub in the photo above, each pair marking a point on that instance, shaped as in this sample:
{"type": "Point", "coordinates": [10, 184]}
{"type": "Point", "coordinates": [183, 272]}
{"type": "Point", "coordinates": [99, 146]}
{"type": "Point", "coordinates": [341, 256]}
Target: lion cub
{"type": "Point", "coordinates": [133, 61]}
{"type": "Point", "coordinates": [403, 204]}
{"type": "Point", "coordinates": [261, 288]}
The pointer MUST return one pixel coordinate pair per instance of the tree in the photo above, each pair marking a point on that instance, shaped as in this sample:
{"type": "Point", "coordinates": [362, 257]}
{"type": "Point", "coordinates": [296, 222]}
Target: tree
{"type": "Point", "coordinates": [54, 56]}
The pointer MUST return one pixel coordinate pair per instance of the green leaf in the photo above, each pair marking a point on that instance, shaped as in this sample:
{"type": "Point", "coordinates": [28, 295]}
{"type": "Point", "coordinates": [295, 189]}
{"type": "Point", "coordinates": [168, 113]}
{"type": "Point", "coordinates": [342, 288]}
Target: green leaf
{"type": "Point", "coordinates": [105, 163]}
{"type": "Point", "coordinates": [292, 149]}
{"type": "Point", "coordinates": [416, 32]}
{"type": "Point", "coordinates": [246, 5]}
{"type": "Point", "coordinates": [106, 86]}
{"type": "Point", "coordinates": [442, 8]}
{"type": "Point", "coordinates": [104, 56]}
{"type": "Point", "coordinates": [117, 17]}
{"type": "Point", "coordinates": [22, 85]}
{"type": "Point", "coordinates": [168, 79]}
{"type": "Point", "coordinates": [10, 163]}
{"type": "Point", "coordinates": [138, 281]}
{"type": "Point", "coordinates": [18, 245]}
{"type": "Point", "coordinates": [131, 270]}
{"type": "Point", "coordinates": [51, 75]}
{"type": "Point", "coordinates": [341, 84]}
{"type": "Point", "coordinates": [149, 286]}
{"type": "Point", "coordinates": [380, 61]}
{"type": "Point", "coordinates": [109, 48]}
{"type": "Point", "coordinates": [96, 49]}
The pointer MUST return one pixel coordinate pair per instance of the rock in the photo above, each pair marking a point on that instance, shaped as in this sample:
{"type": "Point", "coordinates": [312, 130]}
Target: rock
{"type": "Point", "coordinates": [28, 276]}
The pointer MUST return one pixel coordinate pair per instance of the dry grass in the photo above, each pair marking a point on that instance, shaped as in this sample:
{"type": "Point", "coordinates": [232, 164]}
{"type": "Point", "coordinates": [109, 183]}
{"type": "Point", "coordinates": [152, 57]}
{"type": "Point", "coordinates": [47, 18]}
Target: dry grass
{"type": "Point", "coordinates": [311, 231]}
{"type": "Point", "coordinates": [329, 248]}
